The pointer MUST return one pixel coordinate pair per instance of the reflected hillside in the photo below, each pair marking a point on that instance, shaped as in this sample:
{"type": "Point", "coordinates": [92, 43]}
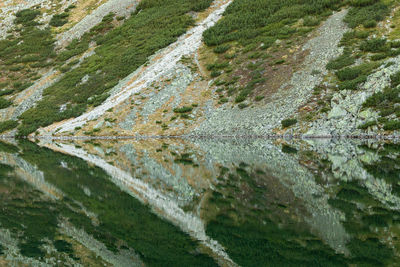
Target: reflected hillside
{"type": "Point", "coordinates": [199, 203]}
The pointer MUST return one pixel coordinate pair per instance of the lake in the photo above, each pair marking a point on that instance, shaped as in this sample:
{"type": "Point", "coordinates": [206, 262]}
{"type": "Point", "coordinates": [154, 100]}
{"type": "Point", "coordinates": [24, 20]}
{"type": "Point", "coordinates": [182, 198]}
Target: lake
{"type": "Point", "coordinates": [226, 202]}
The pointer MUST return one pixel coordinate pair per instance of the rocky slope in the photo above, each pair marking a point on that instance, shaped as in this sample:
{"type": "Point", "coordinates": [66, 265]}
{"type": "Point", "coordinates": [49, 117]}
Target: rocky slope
{"type": "Point", "coordinates": [194, 87]}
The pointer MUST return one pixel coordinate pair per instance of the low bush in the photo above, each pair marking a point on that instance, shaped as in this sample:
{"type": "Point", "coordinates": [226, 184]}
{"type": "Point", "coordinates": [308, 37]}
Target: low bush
{"type": "Point", "coordinates": [215, 73]}
{"type": "Point", "coordinates": [26, 17]}
{"type": "Point", "coordinates": [369, 23]}
{"type": "Point", "coordinates": [374, 45]}
{"type": "Point", "coordinates": [395, 79]}
{"type": "Point", "coordinates": [352, 84]}
{"type": "Point", "coordinates": [340, 62]}
{"type": "Point", "coordinates": [221, 49]}
{"type": "Point", "coordinates": [240, 98]}
{"type": "Point", "coordinates": [395, 44]}
{"type": "Point", "coordinates": [365, 125]}
{"type": "Point", "coordinates": [311, 21]}
{"type": "Point", "coordinates": [4, 103]}
{"type": "Point", "coordinates": [184, 109]}
{"type": "Point", "coordinates": [379, 56]}
{"type": "Point", "coordinates": [59, 19]}
{"type": "Point", "coordinates": [288, 122]}
{"type": "Point", "coordinates": [6, 92]}
{"type": "Point", "coordinates": [391, 125]}
{"type": "Point", "coordinates": [348, 73]}
{"type": "Point", "coordinates": [7, 125]}
{"type": "Point", "coordinates": [359, 15]}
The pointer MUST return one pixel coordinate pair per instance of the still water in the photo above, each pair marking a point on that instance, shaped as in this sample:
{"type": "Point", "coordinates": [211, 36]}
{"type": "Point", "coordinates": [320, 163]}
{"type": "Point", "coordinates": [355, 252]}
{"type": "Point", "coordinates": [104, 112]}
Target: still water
{"type": "Point", "coordinates": [199, 203]}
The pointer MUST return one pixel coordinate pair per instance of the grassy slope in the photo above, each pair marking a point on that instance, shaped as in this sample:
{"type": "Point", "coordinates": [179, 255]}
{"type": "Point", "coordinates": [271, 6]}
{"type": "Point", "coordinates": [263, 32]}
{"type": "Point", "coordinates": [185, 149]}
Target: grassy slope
{"type": "Point", "coordinates": [119, 52]}
{"type": "Point", "coordinates": [245, 42]}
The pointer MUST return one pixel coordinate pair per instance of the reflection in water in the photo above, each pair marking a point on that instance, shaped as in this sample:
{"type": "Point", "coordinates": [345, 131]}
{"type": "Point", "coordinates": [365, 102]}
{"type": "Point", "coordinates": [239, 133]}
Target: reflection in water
{"type": "Point", "coordinates": [199, 203]}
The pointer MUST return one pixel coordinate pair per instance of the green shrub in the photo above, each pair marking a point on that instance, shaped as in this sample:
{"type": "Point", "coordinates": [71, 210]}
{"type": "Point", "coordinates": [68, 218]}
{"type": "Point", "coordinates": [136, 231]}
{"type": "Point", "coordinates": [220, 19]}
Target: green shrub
{"type": "Point", "coordinates": [184, 109]}
{"type": "Point", "coordinates": [4, 103]}
{"type": "Point", "coordinates": [348, 73]}
{"type": "Point", "coordinates": [97, 100]}
{"type": "Point", "coordinates": [26, 17]}
{"type": "Point", "coordinates": [374, 100]}
{"type": "Point", "coordinates": [59, 19]}
{"type": "Point", "coordinates": [369, 23]}
{"type": "Point", "coordinates": [242, 105]}
{"type": "Point", "coordinates": [395, 44]}
{"type": "Point", "coordinates": [391, 125]}
{"type": "Point", "coordinates": [395, 79]}
{"type": "Point", "coordinates": [221, 49]}
{"type": "Point", "coordinates": [360, 3]}
{"type": "Point", "coordinates": [217, 65]}
{"type": "Point", "coordinates": [374, 45]}
{"type": "Point", "coordinates": [7, 125]}
{"type": "Point", "coordinates": [379, 56]}
{"type": "Point", "coordinates": [358, 15]}
{"type": "Point", "coordinates": [6, 92]}
{"type": "Point", "coordinates": [311, 21]}
{"type": "Point", "coordinates": [288, 122]}
{"type": "Point", "coordinates": [352, 84]}
{"type": "Point", "coordinates": [215, 73]}
{"type": "Point", "coordinates": [240, 98]}
{"type": "Point", "coordinates": [340, 62]}
{"type": "Point", "coordinates": [288, 149]}
{"type": "Point", "coordinates": [367, 124]}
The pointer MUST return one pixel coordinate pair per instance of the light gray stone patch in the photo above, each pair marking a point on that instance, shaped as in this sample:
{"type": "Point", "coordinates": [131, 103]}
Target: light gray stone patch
{"type": "Point", "coordinates": [178, 85]}
{"type": "Point", "coordinates": [130, 120]}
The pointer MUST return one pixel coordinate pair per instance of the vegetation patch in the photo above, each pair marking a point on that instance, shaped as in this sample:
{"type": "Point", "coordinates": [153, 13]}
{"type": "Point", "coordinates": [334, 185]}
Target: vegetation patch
{"type": "Point", "coordinates": [288, 122]}
{"type": "Point", "coordinates": [7, 125]}
{"type": "Point", "coordinates": [120, 51]}
{"type": "Point", "coordinates": [254, 30]}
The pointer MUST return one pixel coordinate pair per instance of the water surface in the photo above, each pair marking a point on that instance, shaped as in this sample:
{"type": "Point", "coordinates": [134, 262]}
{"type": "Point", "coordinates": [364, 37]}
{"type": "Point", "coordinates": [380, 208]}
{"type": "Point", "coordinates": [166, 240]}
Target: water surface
{"type": "Point", "coordinates": [199, 203]}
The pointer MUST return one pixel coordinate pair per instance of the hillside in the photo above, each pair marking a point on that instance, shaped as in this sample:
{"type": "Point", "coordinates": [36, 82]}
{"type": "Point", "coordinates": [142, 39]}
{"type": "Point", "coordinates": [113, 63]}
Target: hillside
{"type": "Point", "coordinates": [203, 68]}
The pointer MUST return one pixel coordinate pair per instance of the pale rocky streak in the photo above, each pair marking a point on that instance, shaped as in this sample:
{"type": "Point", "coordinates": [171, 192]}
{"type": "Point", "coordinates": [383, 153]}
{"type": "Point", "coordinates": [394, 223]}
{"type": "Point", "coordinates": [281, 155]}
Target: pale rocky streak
{"type": "Point", "coordinates": [118, 7]}
{"type": "Point", "coordinates": [160, 64]}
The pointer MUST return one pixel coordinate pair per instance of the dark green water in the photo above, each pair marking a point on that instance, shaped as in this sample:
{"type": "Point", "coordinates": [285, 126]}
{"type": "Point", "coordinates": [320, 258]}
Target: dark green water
{"type": "Point", "coordinates": [199, 203]}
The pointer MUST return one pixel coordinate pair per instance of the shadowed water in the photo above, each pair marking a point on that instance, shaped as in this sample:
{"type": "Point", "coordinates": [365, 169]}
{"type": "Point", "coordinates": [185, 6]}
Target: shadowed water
{"type": "Point", "coordinates": [199, 203]}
